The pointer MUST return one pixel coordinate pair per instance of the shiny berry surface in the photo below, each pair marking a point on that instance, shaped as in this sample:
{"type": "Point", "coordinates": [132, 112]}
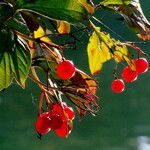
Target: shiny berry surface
{"type": "Point", "coordinates": [65, 69]}
{"type": "Point", "coordinates": [64, 131]}
{"type": "Point", "coordinates": [70, 112]}
{"type": "Point", "coordinates": [118, 86]}
{"type": "Point", "coordinates": [56, 121]}
{"type": "Point", "coordinates": [42, 125]}
{"type": "Point", "coordinates": [129, 75]}
{"type": "Point", "coordinates": [141, 65]}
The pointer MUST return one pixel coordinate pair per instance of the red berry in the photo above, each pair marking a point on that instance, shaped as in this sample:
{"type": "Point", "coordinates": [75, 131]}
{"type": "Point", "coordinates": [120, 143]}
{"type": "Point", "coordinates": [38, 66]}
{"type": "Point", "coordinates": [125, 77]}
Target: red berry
{"type": "Point", "coordinates": [58, 109]}
{"type": "Point", "coordinates": [70, 112]}
{"type": "Point", "coordinates": [42, 125]}
{"type": "Point", "coordinates": [118, 85]}
{"type": "Point", "coordinates": [65, 69]}
{"type": "Point", "coordinates": [56, 121]}
{"type": "Point", "coordinates": [141, 65]}
{"type": "Point", "coordinates": [129, 75]}
{"type": "Point", "coordinates": [64, 131]}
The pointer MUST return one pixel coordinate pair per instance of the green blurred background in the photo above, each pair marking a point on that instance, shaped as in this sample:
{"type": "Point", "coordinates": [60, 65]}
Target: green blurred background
{"type": "Point", "coordinates": [123, 122]}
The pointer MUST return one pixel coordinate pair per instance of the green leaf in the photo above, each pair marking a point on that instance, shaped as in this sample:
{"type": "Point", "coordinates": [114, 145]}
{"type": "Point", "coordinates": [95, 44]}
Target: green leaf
{"type": "Point", "coordinates": [6, 75]}
{"type": "Point", "coordinates": [14, 59]}
{"type": "Point", "coordinates": [6, 11]}
{"type": "Point", "coordinates": [68, 10]}
{"type": "Point", "coordinates": [21, 62]}
{"type": "Point", "coordinates": [112, 3]}
{"type": "Point", "coordinates": [18, 23]}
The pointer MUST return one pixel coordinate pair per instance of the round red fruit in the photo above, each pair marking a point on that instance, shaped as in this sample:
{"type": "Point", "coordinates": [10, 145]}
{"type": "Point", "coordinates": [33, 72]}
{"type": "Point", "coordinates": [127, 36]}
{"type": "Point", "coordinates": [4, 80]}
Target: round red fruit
{"type": "Point", "coordinates": [65, 69]}
{"type": "Point", "coordinates": [70, 112]}
{"type": "Point", "coordinates": [65, 130]}
{"type": "Point", "coordinates": [141, 65]}
{"type": "Point", "coordinates": [42, 125]}
{"type": "Point", "coordinates": [129, 75]}
{"type": "Point", "coordinates": [56, 121]}
{"type": "Point", "coordinates": [118, 85]}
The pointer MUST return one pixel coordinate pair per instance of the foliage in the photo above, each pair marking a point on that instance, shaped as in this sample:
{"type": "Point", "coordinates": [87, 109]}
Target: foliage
{"type": "Point", "coordinates": [28, 33]}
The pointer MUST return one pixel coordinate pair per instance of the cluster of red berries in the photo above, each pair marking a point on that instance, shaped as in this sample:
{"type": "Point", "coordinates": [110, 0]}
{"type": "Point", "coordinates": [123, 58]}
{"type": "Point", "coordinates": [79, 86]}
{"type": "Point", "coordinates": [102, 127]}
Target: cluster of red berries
{"type": "Point", "coordinates": [58, 119]}
{"type": "Point", "coordinates": [130, 75]}
{"type": "Point", "coordinates": [65, 69]}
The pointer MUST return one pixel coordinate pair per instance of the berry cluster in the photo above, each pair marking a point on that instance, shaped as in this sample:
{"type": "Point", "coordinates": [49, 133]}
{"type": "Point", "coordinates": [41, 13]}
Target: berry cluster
{"type": "Point", "coordinates": [58, 119]}
{"type": "Point", "coordinates": [129, 75]}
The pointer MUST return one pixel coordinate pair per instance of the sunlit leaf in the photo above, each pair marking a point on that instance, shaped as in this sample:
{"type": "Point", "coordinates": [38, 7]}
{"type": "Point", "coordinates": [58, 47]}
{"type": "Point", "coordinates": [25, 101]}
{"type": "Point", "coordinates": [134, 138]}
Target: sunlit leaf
{"type": "Point", "coordinates": [21, 62]}
{"type": "Point", "coordinates": [98, 51]}
{"type": "Point", "coordinates": [101, 48]}
{"type": "Point", "coordinates": [112, 3]}
{"type": "Point", "coordinates": [88, 4]}
{"type": "Point", "coordinates": [63, 27]}
{"type": "Point", "coordinates": [41, 33]}
{"type": "Point", "coordinates": [14, 59]}
{"type": "Point", "coordinates": [67, 10]}
{"type": "Point", "coordinates": [132, 12]}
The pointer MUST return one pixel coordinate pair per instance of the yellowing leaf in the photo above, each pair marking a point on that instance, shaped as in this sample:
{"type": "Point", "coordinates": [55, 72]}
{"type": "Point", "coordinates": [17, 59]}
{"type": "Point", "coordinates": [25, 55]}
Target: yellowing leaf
{"type": "Point", "coordinates": [121, 53]}
{"type": "Point", "coordinates": [102, 47]}
{"type": "Point", "coordinates": [93, 50]}
{"type": "Point", "coordinates": [63, 27]}
{"type": "Point", "coordinates": [40, 33]}
{"type": "Point", "coordinates": [98, 52]}
{"type": "Point", "coordinates": [88, 5]}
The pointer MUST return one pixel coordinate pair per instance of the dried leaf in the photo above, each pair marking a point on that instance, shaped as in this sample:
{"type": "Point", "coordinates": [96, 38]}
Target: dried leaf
{"type": "Point", "coordinates": [132, 12]}
{"type": "Point", "coordinates": [82, 92]}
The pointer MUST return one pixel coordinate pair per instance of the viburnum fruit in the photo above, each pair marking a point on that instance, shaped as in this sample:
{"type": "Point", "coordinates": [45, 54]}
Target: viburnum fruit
{"type": "Point", "coordinates": [65, 69]}
{"type": "Point", "coordinates": [42, 125]}
{"type": "Point", "coordinates": [65, 129]}
{"type": "Point", "coordinates": [141, 65]}
{"type": "Point", "coordinates": [67, 114]}
{"type": "Point", "coordinates": [129, 75]}
{"type": "Point", "coordinates": [68, 110]}
{"type": "Point", "coordinates": [118, 85]}
{"type": "Point", "coordinates": [56, 121]}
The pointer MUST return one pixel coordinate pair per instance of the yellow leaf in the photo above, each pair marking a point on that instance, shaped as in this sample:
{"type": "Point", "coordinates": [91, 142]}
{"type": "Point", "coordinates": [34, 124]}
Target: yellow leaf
{"type": "Point", "coordinates": [121, 53]}
{"type": "Point", "coordinates": [88, 5]}
{"type": "Point", "coordinates": [63, 27]}
{"type": "Point", "coordinates": [102, 47]}
{"type": "Point", "coordinates": [98, 53]}
{"type": "Point", "coordinates": [40, 33]}
{"type": "Point", "coordinates": [94, 54]}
